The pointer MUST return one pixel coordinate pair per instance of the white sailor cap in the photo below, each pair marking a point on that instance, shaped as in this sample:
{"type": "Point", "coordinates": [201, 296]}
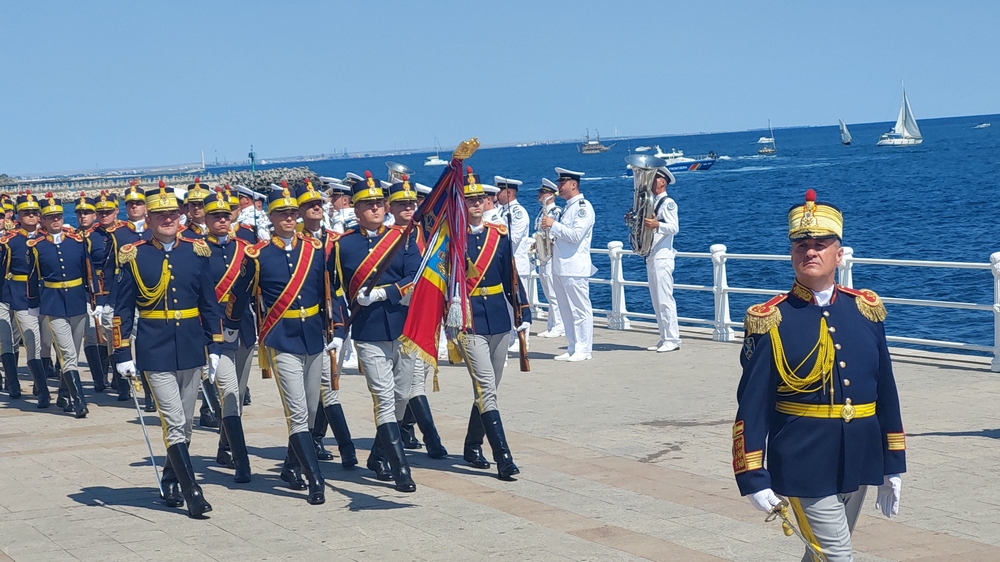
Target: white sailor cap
{"type": "Point", "coordinates": [351, 178]}
{"type": "Point", "coordinates": [180, 193]}
{"type": "Point", "coordinates": [491, 189]}
{"type": "Point", "coordinates": [569, 174]}
{"type": "Point", "coordinates": [327, 180]}
{"type": "Point", "coordinates": [664, 173]}
{"type": "Point", "coordinates": [548, 185]}
{"type": "Point", "coordinates": [422, 189]}
{"type": "Point", "coordinates": [339, 188]}
{"type": "Point", "coordinates": [504, 183]}
{"type": "Point", "coordinates": [245, 191]}
{"type": "Point", "coordinates": [384, 184]}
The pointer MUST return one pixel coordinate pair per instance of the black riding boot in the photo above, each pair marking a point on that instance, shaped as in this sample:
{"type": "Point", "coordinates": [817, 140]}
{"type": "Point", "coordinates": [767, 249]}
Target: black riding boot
{"type": "Point", "coordinates": [124, 388]}
{"type": "Point", "coordinates": [50, 369]}
{"type": "Point", "coordinates": [422, 412]}
{"type": "Point", "coordinates": [62, 396]}
{"type": "Point", "coordinates": [318, 431]}
{"type": "Point", "coordinates": [93, 355]}
{"type": "Point", "coordinates": [388, 433]}
{"type": "Point", "coordinates": [348, 456]}
{"type": "Point", "coordinates": [181, 461]}
{"type": "Point", "coordinates": [473, 453]}
{"type": "Point", "coordinates": [237, 443]}
{"type": "Point", "coordinates": [498, 442]}
{"type": "Point", "coordinates": [78, 404]}
{"type": "Point", "coordinates": [406, 431]}
{"type": "Point", "coordinates": [302, 444]}
{"type": "Point", "coordinates": [377, 462]}
{"type": "Point", "coordinates": [290, 471]}
{"type": "Point", "coordinates": [223, 456]}
{"type": "Point", "coordinates": [246, 397]}
{"type": "Point", "coordinates": [148, 404]}
{"type": "Point", "coordinates": [9, 361]}
{"type": "Point", "coordinates": [171, 488]}
{"type": "Point", "coordinates": [37, 371]}
{"type": "Point", "coordinates": [207, 418]}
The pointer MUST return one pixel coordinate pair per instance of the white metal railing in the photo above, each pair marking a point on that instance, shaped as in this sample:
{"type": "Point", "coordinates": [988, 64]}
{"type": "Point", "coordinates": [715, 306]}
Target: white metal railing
{"type": "Point", "coordinates": [721, 323]}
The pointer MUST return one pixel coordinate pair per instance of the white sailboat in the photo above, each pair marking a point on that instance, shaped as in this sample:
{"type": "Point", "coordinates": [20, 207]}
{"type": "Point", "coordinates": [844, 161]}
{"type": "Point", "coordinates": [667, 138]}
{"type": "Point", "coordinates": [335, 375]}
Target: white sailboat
{"type": "Point", "coordinates": [768, 142]}
{"type": "Point", "coordinates": [845, 135]}
{"type": "Point", "coordinates": [905, 132]}
{"type": "Point", "coordinates": [436, 159]}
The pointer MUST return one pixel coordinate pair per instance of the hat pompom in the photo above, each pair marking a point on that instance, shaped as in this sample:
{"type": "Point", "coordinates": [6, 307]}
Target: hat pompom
{"type": "Point", "coordinates": [162, 184]}
{"type": "Point", "coordinates": [368, 173]}
{"type": "Point", "coordinates": [811, 195]}
{"type": "Point", "coordinates": [468, 169]}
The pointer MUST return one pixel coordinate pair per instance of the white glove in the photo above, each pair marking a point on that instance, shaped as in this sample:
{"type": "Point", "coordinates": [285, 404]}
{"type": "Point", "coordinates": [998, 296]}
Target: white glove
{"type": "Point", "coordinates": [524, 327]}
{"type": "Point", "coordinates": [229, 336]}
{"type": "Point", "coordinates": [96, 311]}
{"type": "Point", "coordinates": [888, 495]}
{"type": "Point", "coordinates": [126, 369]}
{"type": "Point", "coordinates": [377, 294]}
{"type": "Point", "coordinates": [33, 312]}
{"type": "Point", "coordinates": [107, 317]}
{"type": "Point", "coordinates": [335, 345]}
{"type": "Point", "coordinates": [764, 500]}
{"type": "Point", "coordinates": [213, 366]}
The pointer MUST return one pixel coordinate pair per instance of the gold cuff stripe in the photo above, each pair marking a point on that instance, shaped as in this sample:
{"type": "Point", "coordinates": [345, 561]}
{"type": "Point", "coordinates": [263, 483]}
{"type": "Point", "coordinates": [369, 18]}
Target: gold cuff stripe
{"type": "Point", "coordinates": [896, 441]}
{"type": "Point", "coordinates": [755, 460]}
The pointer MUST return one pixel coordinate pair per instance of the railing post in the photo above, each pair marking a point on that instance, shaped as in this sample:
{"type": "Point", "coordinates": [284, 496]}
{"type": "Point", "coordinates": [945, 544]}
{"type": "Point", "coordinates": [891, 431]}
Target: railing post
{"type": "Point", "coordinates": [995, 262]}
{"type": "Point", "coordinates": [846, 268]}
{"type": "Point", "coordinates": [720, 289]}
{"type": "Point", "coordinates": [617, 318]}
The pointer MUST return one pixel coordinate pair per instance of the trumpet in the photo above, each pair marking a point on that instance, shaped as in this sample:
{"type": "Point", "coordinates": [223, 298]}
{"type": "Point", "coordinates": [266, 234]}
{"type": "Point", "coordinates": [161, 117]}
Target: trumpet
{"type": "Point", "coordinates": [644, 173]}
{"type": "Point", "coordinates": [397, 171]}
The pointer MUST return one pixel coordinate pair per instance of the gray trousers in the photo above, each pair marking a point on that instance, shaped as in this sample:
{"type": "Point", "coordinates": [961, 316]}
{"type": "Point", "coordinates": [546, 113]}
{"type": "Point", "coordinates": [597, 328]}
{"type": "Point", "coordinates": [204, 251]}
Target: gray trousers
{"type": "Point", "coordinates": [327, 394]}
{"type": "Point", "coordinates": [419, 385]}
{"type": "Point", "coordinates": [828, 523]}
{"type": "Point", "coordinates": [389, 373]}
{"type": "Point", "coordinates": [486, 356]}
{"type": "Point", "coordinates": [67, 334]}
{"type": "Point", "coordinates": [10, 336]}
{"type": "Point", "coordinates": [231, 380]}
{"type": "Point", "coordinates": [34, 332]}
{"type": "Point", "coordinates": [298, 379]}
{"type": "Point", "coordinates": [175, 394]}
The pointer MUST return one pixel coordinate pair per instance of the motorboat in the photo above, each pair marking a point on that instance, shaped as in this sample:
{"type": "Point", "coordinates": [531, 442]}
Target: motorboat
{"type": "Point", "coordinates": [981, 126]}
{"type": "Point", "coordinates": [435, 161]}
{"type": "Point", "coordinates": [905, 132]}
{"type": "Point", "coordinates": [643, 148]}
{"type": "Point", "coordinates": [769, 147]}
{"type": "Point", "coordinates": [677, 162]}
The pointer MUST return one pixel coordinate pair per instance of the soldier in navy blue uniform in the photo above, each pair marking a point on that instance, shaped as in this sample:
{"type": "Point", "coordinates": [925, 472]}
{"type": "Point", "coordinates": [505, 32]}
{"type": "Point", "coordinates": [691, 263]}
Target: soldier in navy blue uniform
{"type": "Point", "coordinates": [379, 321]}
{"type": "Point", "coordinates": [22, 300]}
{"type": "Point", "coordinates": [329, 412]}
{"type": "Point", "coordinates": [101, 248]}
{"type": "Point", "coordinates": [135, 208]}
{"type": "Point", "coordinates": [59, 258]}
{"type": "Point", "coordinates": [10, 338]}
{"type": "Point", "coordinates": [168, 278]}
{"type": "Point", "coordinates": [823, 411]}
{"type": "Point", "coordinates": [194, 202]}
{"type": "Point", "coordinates": [491, 289]}
{"type": "Point", "coordinates": [288, 270]}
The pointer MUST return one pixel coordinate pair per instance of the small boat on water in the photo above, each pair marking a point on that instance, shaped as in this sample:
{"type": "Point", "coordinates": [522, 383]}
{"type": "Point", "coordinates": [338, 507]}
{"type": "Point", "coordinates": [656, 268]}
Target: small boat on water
{"type": "Point", "coordinates": [769, 147]}
{"type": "Point", "coordinates": [436, 159]}
{"type": "Point", "coordinates": [905, 132]}
{"type": "Point", "coordinates": [845, 135]}
{"type": "Point", "coordinates": [677, 162]}
{"type": "Point", "coordinates": [979, 126]}
{"type": "Point", "coordinates": [643, 148]}
{"type": "Point", "coordinates": [594, 146]}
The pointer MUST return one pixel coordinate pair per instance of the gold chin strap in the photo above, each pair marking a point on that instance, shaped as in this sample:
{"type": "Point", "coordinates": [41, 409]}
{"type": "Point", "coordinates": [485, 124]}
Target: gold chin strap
{"type": "Point", "coordinates": [820, 376]}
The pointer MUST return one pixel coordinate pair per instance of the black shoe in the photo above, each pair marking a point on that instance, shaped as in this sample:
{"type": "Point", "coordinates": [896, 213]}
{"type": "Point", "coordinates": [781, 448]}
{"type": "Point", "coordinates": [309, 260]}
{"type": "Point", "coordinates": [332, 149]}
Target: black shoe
{"type": "Point", "coordinates": [93, 355]}
{"type": "Point", "coordinates": [498, 442]}
{"type": "Point", "coordinates": [406, 431]}
{"type": "Point", "coordinates": [223, 456]}
{"type": "Point", "coordinates": [149, 405]}
{"type": "Point", "coordinates": [303, 447]}
{"type": "Point", "coordinates": [181, 461]}
{"type": "Point", "coordinates": [348, 455]}
{"type": "Point", "coordinates": [237, 444]}
{"type": "Point", "coordinates": [209, 396]}
{"type": "Point", "coordinates": [318, 431]}
{"type": "Point", "coordinates": [422, 413]}
{"type": "Point", "coordinates": [246, 397]}
{"type": "Point", "coordinates": [388, 433]}
{"type": "Point", "coordinates": [377, 463]}
{"type": "Point", "coordinates": [321, 452]}
{"type": "Point", "coordinates": [208, 420]}
{"type": "Point", "coordinates": [62, 397]}
{"type": "Point", "coordinates": [78, 404]}
{"type": "Point", "coordinates": [124, 389]}
{"type": "Point", "coordinates": [171, 489]}
{"type": "Point", "coordinates": [473, 451]}
{"type": "Point", "coordinates": [13, 385]}
{"type": "Point", "coordinates": [38, 375]}
{"type": "Point", "coordinates": [290, 471]}
{"type": "Point", "coordinates": [50, 369]}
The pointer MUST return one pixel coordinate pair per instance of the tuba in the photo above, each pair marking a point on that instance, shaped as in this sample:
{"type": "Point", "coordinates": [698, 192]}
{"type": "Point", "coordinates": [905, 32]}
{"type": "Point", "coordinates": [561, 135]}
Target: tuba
{"type": "Point", "coordinates": [643, 172]}
{"type": "Point", "coordinates": [397, 171]}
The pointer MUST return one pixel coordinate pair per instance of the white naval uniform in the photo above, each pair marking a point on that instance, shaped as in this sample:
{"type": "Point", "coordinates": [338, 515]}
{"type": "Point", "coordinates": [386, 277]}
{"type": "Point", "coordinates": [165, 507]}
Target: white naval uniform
{"type": "Point", "coordinates": [660, 269]}
{"type": "Point", "coordinates": [343, 220]}
{"type": "Point", "coordinates": [518, 225]}
{"type": "Point", "coordinates": [555, 321]}
{"type": "Point", "coordinates": [257, 219]}
{"type": "Point", "coordinates": [572, 268]}
{"type": "Point", "coordinates": [492, 216]}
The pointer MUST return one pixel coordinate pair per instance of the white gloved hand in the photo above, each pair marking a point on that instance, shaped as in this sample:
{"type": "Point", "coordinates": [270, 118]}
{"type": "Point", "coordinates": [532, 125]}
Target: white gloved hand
{"type": "Point", "coordinates": [335, 345]}
{"type": "Point", "coordinates": [764, 500]}
{"type": "Point", "coordinates": [126, 369]}
{"type": "Point", "coordinates": [377, 294]}
{"type": "Point", "coordinates": [95, 311]}
{"type": "Point", "coordinates": [33, 312]}
{"type": "Point", "coordinates": [229, 335]}
{"type": "Point", "coordinates": [524, 327]}
{"type": "Point", "coordinates": [213, 366]}
{"type": "Point", "coordinates": [107, 317]}
{"type": "Point", "coordinates": [888, 495]}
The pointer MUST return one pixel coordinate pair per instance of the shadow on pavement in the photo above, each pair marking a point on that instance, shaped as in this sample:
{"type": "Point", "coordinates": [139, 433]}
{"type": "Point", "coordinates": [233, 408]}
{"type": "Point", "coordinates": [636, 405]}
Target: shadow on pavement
{"type": "Point", "coordinates": [988, 433]}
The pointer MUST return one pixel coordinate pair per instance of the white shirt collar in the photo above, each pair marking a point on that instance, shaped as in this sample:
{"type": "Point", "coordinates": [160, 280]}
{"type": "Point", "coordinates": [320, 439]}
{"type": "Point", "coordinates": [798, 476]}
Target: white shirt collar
{"type": "Point", "coordinates": [824, 297]}
{"type": "Point", "coordinates": [477, 229]}
{"type": "Point", "coordinates": [574, 199]}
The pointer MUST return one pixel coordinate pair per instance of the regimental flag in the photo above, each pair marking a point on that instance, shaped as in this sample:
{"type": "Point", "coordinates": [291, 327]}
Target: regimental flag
{"type": "Point", "coordinates": [440, 293]}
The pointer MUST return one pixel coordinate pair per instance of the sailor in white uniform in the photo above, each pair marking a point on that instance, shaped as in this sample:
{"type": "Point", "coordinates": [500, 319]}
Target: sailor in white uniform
{"type": "Point", "coordinates": [547, 199]}
{"type": "Point", "coordinates": [342, 216]}
{"type": "Point", "coordinates": [515, 217]}
{"type": "Point", "coordinates": [572, 267]}
{"type": "Point", "coordinates": [660, 262]}
{"type": "Point", "coordinates": [491, 214]}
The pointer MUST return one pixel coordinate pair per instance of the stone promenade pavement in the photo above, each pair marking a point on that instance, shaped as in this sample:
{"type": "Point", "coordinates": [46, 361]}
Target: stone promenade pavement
{"type": "Point", "coordinates": [624, 457]}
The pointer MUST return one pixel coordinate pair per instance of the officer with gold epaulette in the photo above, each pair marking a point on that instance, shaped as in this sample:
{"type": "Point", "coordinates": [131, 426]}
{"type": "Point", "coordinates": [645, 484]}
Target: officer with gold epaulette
{"type": "Point", "coordinates": [379, 321]}
{"type": "Point", "coordinates": [135, 208]}
{"type": "Point", "coordinates": [490, 282]}
{"type": "Point", "coordinates": [168, 278]}
{"type": "Point", "coordinates": [60, 261]}
{"type": "Point", "coordinates": [823, 411]}
{"type": "Point", "coordinates": [194, 202]}
{"type": "Point", "coordinates": [288, 271]}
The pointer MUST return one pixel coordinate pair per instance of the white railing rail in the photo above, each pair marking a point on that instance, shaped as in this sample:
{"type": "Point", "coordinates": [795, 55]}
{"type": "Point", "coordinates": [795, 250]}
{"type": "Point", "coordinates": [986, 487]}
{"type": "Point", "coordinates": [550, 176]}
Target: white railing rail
{"type": "Point", "coordinates": [618, 317]}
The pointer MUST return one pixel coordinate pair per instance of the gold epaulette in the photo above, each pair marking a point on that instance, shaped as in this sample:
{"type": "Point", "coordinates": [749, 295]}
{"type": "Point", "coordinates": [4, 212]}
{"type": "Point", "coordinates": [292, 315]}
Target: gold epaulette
{"type": "Point", "coordinates": [253, 250]}
{"type": "Point", "coordinates": [348, 231]}
{"type": "Point", "coordinates": [869, 303]}
{"type": "Point", "coordinates": [200, 246]}
{"type": "Point", "coordinates": [9, 224]}
{"type": "Point", "coordinates": [32, 241]}
{"type": "Point", "coordinates": [128, 252]}
{"type": "Point", "coordinates": [74, 234]}
{"type": "Point", "coordinates": [501, 228]}
{"type": "Point", "coordinates": [761, 318]}
{"type": "Point", "coordinates": [6, 237]}
{"type": "Point", "coordinates": [316, 242]}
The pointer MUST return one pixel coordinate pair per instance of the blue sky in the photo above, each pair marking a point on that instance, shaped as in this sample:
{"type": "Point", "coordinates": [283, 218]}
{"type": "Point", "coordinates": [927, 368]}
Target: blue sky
{"type": "Point", "coordinates": [121, 84]}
